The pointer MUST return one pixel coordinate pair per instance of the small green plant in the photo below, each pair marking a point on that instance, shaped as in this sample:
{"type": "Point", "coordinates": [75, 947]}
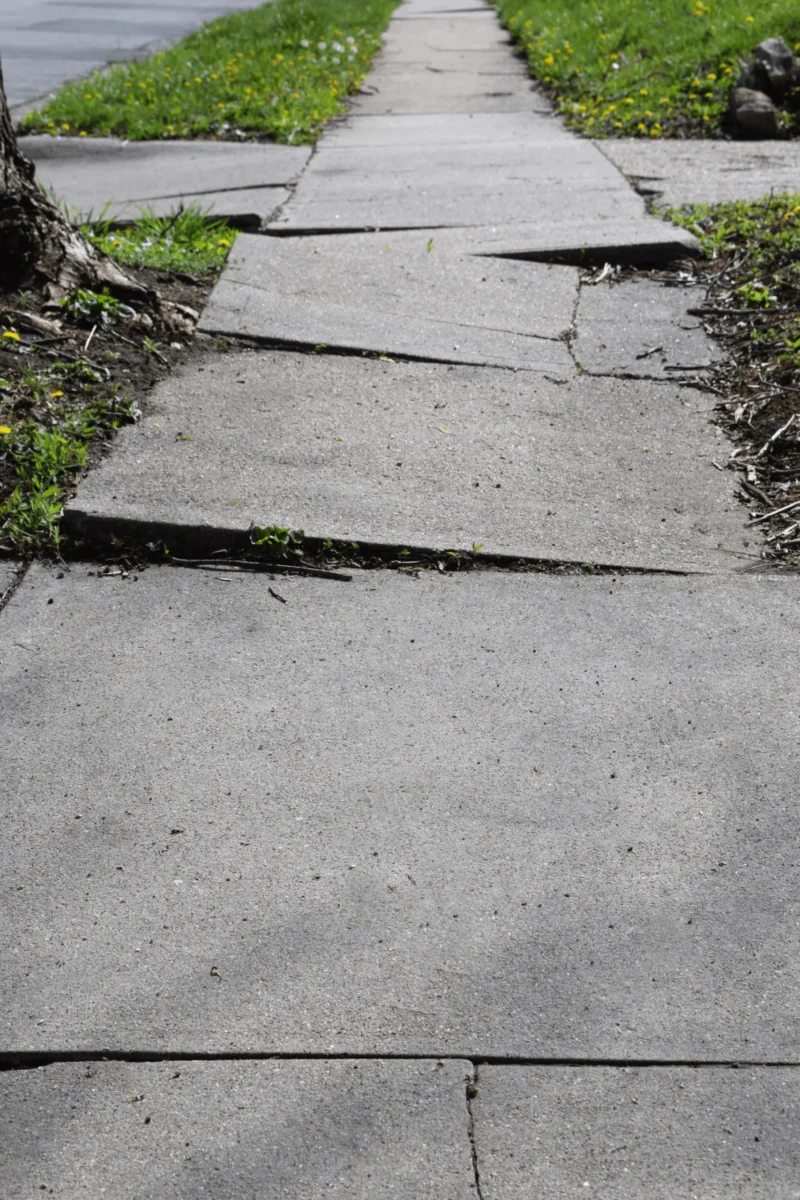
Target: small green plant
{"type": "Point", "coordinates": [42, 453]}
{"type": "Point", "coordinates": [477, 547]}
{"type": "Point", "coordinates": [186, 240]}
{"type": "Point", "coordinates": [277, 541]}
{"type": "Point", "coordinates": [86, 308]}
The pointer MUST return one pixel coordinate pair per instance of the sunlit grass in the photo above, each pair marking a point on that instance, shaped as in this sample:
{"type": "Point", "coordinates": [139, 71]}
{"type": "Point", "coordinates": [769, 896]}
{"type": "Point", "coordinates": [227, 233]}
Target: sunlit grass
{"type": "Point", "coordinates": [634, 67]}
{"type": "Point", "coordinates": [279, 71]}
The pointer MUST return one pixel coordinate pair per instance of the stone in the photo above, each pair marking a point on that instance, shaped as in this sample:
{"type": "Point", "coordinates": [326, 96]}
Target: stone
{"type": "Point", "coordinates": [754, 113]}
{"type": "Point", "coordinates": [423, 455]}
{"type": "Point", "coordinates": [315, 1130]}
{"type": "Point", "coordinates": [628, 1132]}
{"type": "Point", "coordinates": [395, 293]}
{"type": "Point", "coordinates": [478, 814]}
{"type": "Point", "coordinates": [777, 60]}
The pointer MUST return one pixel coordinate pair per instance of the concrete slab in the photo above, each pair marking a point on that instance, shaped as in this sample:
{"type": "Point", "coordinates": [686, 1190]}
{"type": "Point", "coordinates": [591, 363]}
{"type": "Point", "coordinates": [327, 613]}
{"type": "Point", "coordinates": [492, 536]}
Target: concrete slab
{"type": "Point", "coordinates": [583, 243]}
{"type": "Point", "coordinates": [455, 169]}
{"type": "Point", "coordinates": [417, 454]}
{"type": "Point", "coordinates": [424, 90]}
{"type": "Point", "coordinates": [394, 294]}
{"type": "Point", "coordinates": [640, 327]}
{"type": "Point", "coordinates": [300, 1130]}
{"type": "Point", "coordinates": [706, 172]}
{"type": "Point", "coordinates": [418, 40]}
{"type": "Point", "coordinates": [513, 815]}
{"type": "Point", "coordinates": [658, 1132]}
{"type": "Point", "coordinates": [233, 179]}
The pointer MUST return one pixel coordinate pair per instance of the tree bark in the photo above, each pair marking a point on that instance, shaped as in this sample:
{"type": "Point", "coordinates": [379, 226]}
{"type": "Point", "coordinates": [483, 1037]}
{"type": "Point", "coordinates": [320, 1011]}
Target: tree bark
{"type": "Point", "coordinates": [38, 246]}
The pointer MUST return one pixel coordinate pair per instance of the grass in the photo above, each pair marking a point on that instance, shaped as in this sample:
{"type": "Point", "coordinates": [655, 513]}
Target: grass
{"type": "Point", "coordinates": [637, 68]}
{"type": "Point", "coordinates": [186, 241]}
{"type": "Point", "coordinates": [752, 266]}
{"type": "Point", "coordinates": [280, 71]}
{"type": "Point", "coordinates": [43, 453]}
{"type": "Point", "coordinates": [57, 399]}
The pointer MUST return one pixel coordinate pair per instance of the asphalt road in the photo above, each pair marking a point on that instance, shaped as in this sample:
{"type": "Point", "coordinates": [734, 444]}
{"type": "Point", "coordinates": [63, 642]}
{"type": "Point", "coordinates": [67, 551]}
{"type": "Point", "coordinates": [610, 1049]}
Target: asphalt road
{"type": "Point", "coordinates": [45, 43]}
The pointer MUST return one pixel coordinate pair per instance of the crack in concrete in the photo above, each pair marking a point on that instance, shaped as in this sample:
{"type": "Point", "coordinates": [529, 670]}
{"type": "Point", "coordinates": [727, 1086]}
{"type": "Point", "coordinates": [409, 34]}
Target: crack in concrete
{"type": "Point", "coordinates": [19, 575]}
{"type": "Point", "coordinates": [26, 1060]}
{"type": "Point", "coordinates": [471, 1093]}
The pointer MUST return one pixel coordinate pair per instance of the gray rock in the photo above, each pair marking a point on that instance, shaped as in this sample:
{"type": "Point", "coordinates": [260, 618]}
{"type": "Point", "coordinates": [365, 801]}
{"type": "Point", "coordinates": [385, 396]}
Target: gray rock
{"type": "Point", "coordinates": [754, 113]}
{"type": "Point", "coordinates": [754, 77]}
{"type": "Point", "coordinates": [777, 59]}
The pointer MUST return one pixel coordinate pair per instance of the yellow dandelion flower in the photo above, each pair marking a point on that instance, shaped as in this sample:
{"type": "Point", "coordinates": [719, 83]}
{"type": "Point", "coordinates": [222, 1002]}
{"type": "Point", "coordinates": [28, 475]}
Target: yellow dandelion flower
{"type": "Point", "coordinates": [4, 429]}
{"type": "Point", "coordinates": [11, 334]}
{"type": "Point", "coordinates": [55, 395]}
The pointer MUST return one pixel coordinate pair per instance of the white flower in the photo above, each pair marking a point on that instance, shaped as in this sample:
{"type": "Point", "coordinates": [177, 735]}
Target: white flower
{"type": "Point", "coordinates": [322, 45]}
{"type": "Point", "coordinates": [338, 47]}
{"type": "Point", "coordinates": [304, 42]}
{"type": "Point", "coordinates": [351, 40]}
{"type": "Point", "coordinates": [334, 60]}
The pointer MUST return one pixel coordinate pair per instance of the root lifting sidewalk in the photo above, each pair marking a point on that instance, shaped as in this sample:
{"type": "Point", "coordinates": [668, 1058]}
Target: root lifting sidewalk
{"type": "Point", "coordinates": [443, 885]}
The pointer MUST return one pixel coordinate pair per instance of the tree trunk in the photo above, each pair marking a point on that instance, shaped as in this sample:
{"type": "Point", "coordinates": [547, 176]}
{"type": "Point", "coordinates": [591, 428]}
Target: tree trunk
{"type": "Point", "coordinates": [38, 246]}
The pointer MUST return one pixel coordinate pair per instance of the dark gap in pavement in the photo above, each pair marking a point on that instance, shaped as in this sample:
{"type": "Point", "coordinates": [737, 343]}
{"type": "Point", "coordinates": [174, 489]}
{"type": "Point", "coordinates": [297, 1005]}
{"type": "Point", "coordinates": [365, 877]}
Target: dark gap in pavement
{"type": "Point", "coordinates": [29, 1059]}
{"type": "Point", "coordinates": [472, 1091]}
{"type": "Point", "coordinates": [98, 538]}
{"type": "Point", "coordinates": [257, 342]}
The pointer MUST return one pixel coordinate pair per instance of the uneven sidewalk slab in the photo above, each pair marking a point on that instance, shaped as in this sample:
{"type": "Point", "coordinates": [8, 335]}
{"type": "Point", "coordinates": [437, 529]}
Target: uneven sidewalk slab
{"type": "Point", "coordinates": [234, 180]}
{"type": "Point", "coordinates": [641, 327]}
{"type": "Point", "coordinates": [706, 172]}
{"type": "Point", "coordinates": [659, 1132]}
{"type": "Point", "coordinates": [299, 1130]}
{"type": "Point", "coordinates": [421, 170]}
{"type": "Point", "coordinates": [483, 815]}
{"type": "Point", "coordinates": [394, 294]}
{"type": "Point", "coordinates": [416, 454]}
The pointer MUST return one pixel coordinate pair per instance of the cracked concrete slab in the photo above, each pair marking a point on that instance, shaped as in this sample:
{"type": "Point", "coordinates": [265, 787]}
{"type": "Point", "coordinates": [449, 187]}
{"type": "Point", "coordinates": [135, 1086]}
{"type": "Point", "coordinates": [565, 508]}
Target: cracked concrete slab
{"type": "Point", "coordinates": [415, 454]}
{"type": "Point", "coordinates": [394, 294]}
{"type": "Point", "coordinates": [89, 173]}
{"type": "Point", "coordinates": [299, 1130]}
{"type": "Point", "coordinates": [630, 1132]}
{"type": "Point", "coordinates": [641, 327]}
{"type": "Point", "coordinates": [492, 814]}
{"type": "Point", "coordinates": [424, 169]}
{"type": "Point", "coordinates": [706, 172]}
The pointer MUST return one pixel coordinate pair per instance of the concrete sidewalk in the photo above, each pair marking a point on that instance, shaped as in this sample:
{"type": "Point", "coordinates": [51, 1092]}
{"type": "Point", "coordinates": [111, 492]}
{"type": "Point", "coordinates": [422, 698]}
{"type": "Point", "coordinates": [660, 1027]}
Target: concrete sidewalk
{"type": "Point", "coordinates": [432, 883]}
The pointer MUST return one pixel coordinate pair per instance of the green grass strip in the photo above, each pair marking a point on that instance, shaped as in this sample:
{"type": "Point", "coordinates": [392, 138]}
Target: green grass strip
{"type": "Point", "coordinates": [280, 71]}
{"type": "Point", "coordinates": [187, 240]}
{"type": "Point", "coordinates": [637, 68]}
